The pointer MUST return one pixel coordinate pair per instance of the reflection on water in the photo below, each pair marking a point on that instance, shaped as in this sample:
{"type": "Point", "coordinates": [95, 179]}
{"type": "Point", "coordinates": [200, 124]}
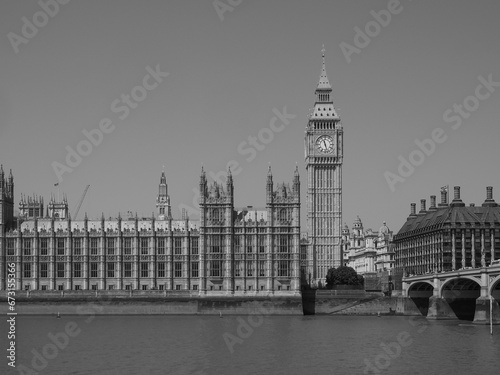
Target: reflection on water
{"type": "Point", "coordinates": [254, 345]}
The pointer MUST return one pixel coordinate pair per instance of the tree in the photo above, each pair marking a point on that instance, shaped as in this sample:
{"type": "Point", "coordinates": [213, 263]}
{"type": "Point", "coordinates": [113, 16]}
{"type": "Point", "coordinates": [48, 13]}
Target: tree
{"type": "Point", "coordinates": [343, 276]}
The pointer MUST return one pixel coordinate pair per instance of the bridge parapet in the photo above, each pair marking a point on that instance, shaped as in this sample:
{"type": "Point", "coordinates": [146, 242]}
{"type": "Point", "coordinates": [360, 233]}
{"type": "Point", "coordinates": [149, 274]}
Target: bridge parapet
{"type": "Point", "coordinates": [455, 294]}
{"type": "Point", "coordinates": [486, 277]}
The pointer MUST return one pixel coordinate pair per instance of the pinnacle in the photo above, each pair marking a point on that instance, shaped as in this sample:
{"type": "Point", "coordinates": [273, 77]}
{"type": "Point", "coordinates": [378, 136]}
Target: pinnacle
{"type": "Point", "coordinates": [323, 78]}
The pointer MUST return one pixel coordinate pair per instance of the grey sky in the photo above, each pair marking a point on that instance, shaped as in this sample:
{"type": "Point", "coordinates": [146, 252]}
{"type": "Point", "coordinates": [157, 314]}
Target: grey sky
{"type": "Point", "coordinates": [226, 77]}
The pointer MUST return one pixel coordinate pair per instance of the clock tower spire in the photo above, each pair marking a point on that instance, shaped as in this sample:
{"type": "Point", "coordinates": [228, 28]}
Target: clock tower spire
{"type": "Point", "coordinates": [324, 159]}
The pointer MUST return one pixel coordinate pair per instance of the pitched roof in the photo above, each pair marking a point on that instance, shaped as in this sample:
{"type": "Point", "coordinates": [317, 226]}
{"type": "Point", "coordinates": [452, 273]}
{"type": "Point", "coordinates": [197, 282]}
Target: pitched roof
{"type": "Point", "coordinates": [451, 215]}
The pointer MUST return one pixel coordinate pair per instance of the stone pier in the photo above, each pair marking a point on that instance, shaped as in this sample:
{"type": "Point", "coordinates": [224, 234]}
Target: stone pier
{"type": "Point", "coordinates": [482, 314]}
{"type": "Point", "coordinates": [440, 309]}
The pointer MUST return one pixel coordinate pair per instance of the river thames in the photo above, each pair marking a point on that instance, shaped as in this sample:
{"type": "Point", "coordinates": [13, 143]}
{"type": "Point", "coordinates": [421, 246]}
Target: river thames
{"type": "Point", "coordinates": [121, 345]}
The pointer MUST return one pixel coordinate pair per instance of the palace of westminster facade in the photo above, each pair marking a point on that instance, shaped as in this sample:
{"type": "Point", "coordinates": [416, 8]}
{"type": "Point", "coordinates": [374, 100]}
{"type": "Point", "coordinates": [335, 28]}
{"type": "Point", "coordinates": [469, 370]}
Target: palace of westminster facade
{"type": "Point", "coordinates": [227, 251]}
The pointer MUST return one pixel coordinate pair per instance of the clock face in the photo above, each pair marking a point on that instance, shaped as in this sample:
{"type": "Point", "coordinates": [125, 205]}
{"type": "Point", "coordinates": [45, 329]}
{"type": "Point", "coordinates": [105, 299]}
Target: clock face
{"type": "Point", "coordinates": [325, 144]}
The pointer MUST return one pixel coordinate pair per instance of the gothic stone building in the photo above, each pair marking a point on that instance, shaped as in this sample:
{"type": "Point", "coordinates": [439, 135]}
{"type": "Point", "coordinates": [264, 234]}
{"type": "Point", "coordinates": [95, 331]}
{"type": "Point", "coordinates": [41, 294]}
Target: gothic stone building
{"type": "Point", "coordinates": [228, 251]}
{"type": "Point", "coordinates": [324, 159]}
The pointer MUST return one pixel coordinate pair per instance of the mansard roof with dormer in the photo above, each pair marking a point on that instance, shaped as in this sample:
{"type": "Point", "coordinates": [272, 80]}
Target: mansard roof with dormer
{"type": "Point", "coordinates": [450, 216]}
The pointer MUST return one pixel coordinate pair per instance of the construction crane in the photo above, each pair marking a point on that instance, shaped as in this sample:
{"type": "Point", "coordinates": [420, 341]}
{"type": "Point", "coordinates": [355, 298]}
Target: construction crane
{"type": "Point", "coordinates": [80, 202]}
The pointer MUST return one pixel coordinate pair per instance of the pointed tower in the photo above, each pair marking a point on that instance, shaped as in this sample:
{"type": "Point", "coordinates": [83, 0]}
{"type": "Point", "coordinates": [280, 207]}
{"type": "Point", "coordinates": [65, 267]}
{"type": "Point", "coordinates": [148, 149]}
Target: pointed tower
{"type": "Point", "coordinates": [10, 186]}
{"type": "Point", "coordinates": [58, 210]}
{"type": "Point", "coordinates": [6, 202]}
{"type": "Point", "coordinates": [230, 186]}
{"type": "Point", "coordinates": [163, 200]}
{"type": "Point", "coordinates": [296, 182]}
{"type": "Point", "coordinates": [324, 158]}
{"type": "Point", "coordinates": [269, 185]}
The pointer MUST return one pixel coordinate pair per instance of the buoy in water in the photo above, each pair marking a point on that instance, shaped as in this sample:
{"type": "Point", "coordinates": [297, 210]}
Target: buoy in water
{"type": "Point", "coordinates": [58, 316]}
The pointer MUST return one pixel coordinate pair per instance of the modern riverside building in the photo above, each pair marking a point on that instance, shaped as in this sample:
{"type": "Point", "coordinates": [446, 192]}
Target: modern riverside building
{"type": "Point", "coordinates": [228, 251]}
{"type": "Point", "coordinates": [448, 237]}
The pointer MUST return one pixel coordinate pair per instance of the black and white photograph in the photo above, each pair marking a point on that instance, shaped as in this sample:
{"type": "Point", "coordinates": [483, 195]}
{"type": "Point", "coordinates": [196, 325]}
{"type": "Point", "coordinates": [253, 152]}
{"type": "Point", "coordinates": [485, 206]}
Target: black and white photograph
{"type": "Point", "coordinates": [249, 187]}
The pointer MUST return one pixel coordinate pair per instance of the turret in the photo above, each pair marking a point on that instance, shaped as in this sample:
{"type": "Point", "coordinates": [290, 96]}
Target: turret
{"type": "Point", "coordinates": [163, 199]}
{"type": "Point", "coordinates": [2, 177]}
{"type": "Point", "coordinates": [269, 185]}
{"type": "Point", "coordinates": [345, 230]}
{"type": "Point", "coordinates": [203, 186]}
{"type": "Point", "coordinates": [10, 185]}
{"type": "Point", "coordinates": [296, 183]}
{"type": "Point", "coordinates": [229, 186]}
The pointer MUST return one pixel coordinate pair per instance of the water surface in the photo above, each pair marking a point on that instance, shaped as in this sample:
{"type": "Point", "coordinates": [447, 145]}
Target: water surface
{"type": "Point", "coordinates": [121, 345]}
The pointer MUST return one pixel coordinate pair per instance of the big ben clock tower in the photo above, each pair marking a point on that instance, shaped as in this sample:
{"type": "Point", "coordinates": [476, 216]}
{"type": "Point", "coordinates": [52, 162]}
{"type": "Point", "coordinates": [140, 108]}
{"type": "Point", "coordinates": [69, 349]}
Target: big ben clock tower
{"type": "Point", "coordinates": [324, 157]}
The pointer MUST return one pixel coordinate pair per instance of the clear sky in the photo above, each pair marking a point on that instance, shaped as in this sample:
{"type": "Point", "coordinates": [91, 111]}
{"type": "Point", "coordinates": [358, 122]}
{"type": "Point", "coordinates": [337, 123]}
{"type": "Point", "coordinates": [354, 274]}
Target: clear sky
{"type": "Point", "coordinates": [228, 75]}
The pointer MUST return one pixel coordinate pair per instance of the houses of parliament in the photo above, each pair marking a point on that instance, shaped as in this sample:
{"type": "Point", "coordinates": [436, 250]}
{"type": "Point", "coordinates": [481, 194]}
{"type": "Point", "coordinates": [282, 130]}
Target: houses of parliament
{"type": "Point", "coordinates": [227, 251]}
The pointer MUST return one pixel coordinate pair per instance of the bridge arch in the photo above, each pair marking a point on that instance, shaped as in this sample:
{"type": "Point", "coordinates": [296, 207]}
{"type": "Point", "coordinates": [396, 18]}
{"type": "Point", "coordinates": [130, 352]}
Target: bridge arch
{"type": "Point", "coordinates": [461, 294]}
{"type": "Point", "coordinates": [446, 283]}
{"type": "Point", "coordinates": [495, 288]}
{"type": "Point", "coordinates": [417, 285]}
{"type": "Point", "coordinates": [420, 292]}
{"type": "Point", "coordinates": [495, 284]}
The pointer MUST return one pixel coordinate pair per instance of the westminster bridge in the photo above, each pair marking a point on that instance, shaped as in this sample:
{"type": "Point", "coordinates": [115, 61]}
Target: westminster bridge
{"type": "Point", "coordinates": [460, 294]}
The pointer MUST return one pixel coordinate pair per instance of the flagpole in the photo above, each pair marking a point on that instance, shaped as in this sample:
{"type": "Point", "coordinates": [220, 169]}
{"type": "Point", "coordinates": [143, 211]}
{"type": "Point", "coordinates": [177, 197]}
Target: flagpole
{"type": "Point", "coordinates": [57, 184]}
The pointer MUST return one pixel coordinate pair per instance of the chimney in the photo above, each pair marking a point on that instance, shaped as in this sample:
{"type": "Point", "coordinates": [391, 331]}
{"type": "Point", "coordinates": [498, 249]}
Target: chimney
{"type": "Point", "coordinates": [422, 206]}
{"type": "Point", "coordinates": [433, 203]}
{"type": "Point", "coordinates": [444, 198]}
{"type": "Point", "coordinates": [457, 202]}
{"type": "Point", "coordinates": [489, 202]}
{"type": "Point", "coordinates": [413, 211]}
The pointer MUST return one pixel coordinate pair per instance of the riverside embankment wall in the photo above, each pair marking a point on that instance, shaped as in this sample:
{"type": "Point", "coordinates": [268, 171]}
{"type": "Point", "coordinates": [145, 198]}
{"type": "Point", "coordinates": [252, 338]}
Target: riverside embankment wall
{"type": "Point", "coordinates": [147, 303]}
{"type": "Point", "coordinates": [319, 302]}
{"type": "Point", "coordinates": [356, 302]}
